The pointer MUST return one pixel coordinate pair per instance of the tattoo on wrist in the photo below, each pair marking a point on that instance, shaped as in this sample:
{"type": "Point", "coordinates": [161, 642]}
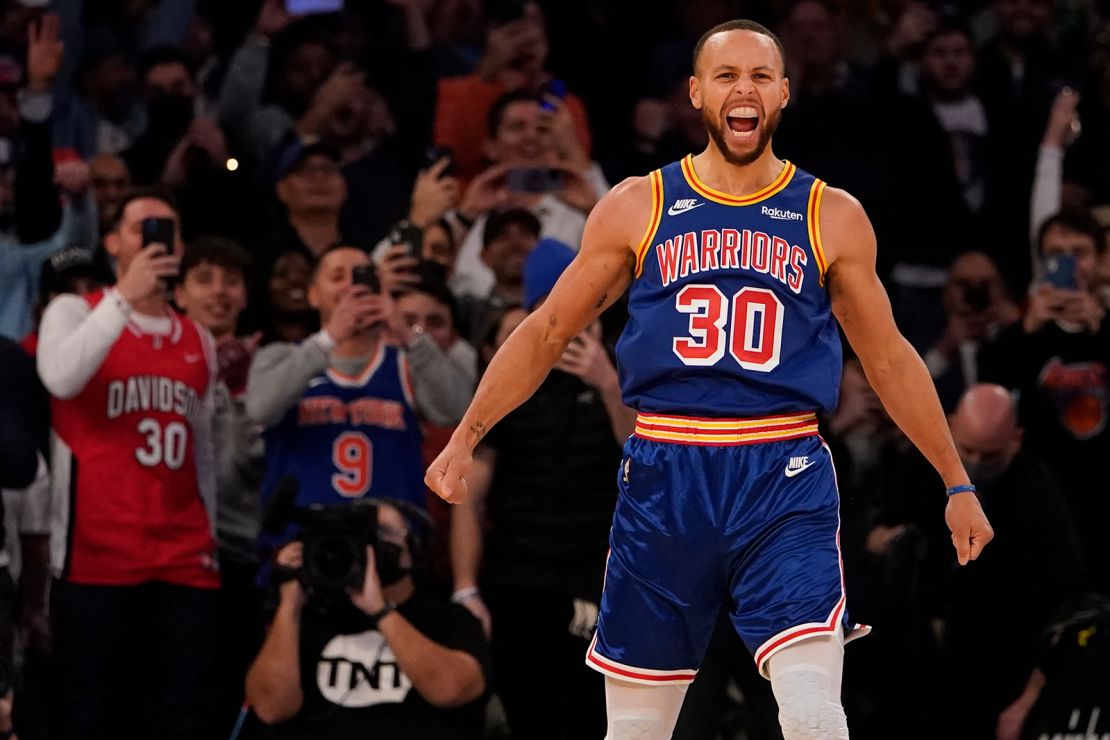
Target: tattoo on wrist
{"type": "Point", "coordinates": [601, 300]}
{"type": "Point", "coordinates": [478, 429]}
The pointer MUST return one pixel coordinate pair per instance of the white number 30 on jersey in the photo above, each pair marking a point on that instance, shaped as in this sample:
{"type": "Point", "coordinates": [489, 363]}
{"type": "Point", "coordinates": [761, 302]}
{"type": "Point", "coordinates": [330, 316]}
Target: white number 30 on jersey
{"type": "Point", "coordinates": [164, 444]}
{"type": "Point", "coordinates": [754, 338]}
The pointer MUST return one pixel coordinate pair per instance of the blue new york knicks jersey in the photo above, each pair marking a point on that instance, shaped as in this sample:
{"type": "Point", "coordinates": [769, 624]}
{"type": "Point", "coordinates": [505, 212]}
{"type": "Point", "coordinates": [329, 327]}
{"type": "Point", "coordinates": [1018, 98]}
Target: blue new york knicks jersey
{"type": "Point", "coordinates": [350, 437]}
{"type": "Point", "coordinates": [728, 313]}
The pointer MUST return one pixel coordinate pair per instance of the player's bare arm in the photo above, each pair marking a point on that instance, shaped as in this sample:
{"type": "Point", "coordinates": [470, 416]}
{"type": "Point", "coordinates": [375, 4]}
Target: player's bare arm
{"type": "Point", "coordinates": [891, 364]}
{"type": "Point", "coordinates": [594, 280]}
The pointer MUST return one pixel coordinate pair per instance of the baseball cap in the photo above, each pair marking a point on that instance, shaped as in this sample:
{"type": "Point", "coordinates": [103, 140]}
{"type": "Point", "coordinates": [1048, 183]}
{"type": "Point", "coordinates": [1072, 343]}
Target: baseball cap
{"type": "Point", "coordinates": [498, 221]}
{"type": "Point", "coordinates": [297, 151]}
{"type": "Point", "coordinates": [542, 269]}
{"type": "Point", "coordinates": [67, 265]}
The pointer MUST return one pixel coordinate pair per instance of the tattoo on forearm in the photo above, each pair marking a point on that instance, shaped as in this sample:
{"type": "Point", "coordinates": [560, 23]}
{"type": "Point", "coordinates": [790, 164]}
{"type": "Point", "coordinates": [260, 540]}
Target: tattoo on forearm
{"type": "Point", "coordinates": [601, 300]}
{"type": "Point", "coordinates": [478, 429]}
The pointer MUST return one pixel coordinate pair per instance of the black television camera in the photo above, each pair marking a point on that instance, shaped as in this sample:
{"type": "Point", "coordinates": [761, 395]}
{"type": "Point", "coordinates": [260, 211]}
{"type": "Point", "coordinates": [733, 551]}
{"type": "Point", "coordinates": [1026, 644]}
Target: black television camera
{"type": "Point", "coordinates": [336, 537]}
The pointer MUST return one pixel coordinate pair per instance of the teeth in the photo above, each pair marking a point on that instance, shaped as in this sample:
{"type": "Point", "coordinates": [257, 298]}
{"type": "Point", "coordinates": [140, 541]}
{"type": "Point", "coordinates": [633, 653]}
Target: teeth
{"type": "Point", "coordinates": [744, 111]}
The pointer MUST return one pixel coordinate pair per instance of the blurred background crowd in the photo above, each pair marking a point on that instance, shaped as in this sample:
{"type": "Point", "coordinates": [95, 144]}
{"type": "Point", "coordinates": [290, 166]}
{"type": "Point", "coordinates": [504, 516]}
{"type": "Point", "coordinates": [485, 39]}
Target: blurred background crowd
{"type": "Point", "coordinates": [363, 199]}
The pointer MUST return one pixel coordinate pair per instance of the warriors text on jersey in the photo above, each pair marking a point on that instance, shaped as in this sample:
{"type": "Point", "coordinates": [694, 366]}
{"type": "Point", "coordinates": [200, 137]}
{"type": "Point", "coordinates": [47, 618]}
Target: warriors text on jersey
{"type": "Point", "coordinates": [124, 462]}
{"type": "Point", "coordinates": [728, 314]}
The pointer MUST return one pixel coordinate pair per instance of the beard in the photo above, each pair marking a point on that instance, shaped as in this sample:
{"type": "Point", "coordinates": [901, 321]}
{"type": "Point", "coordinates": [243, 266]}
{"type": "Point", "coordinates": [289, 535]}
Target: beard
{"type": "Point", "coordinates": [717, 135]}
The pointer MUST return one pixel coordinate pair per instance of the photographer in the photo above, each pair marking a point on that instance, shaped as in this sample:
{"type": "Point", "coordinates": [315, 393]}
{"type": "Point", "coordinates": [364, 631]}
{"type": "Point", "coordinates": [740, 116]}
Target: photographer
{"type": "Point", "coordinates": [976, 309]}
{"type": "Point", "coordinates": [385, 660]}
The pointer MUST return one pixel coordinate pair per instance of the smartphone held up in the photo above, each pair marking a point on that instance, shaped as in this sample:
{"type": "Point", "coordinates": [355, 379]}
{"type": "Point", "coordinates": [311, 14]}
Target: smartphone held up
{"type": "Point", "coordinates": [366, 275]}
{"type": "Point", "coordinates": [1060, 272]}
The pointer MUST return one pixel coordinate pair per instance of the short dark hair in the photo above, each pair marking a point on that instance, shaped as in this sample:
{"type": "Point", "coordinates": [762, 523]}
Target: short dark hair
{"type": "Point", "coordinates": [497, 112]}
{"type": "Point", "coordinates": [433, 285]}
{"type": "Point", "coordinates": [319, 259]}
{"type": "Point", "coordinates": [215, 250]}
{"type": "Point", "coordinates": [498, 221]}
{"type": "Point", "coordinates": [740, 24]}
{"type": "Point", "coordinates": [1078, 220]}
{"type": "Point", "coordinates": [154, 193]}
{"type": "Point", "coordinates": [156, 56]}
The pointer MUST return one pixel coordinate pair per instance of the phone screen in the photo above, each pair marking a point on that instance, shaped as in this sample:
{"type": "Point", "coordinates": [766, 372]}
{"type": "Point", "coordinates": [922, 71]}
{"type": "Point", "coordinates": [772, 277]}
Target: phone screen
{"type": "Point", "coordinates": [308, 7]}
{"type": "Point", "coordinates": [366, 275]}
{"type": "Point", "coordinates": [411, 237]}
{"type": "Point", "coordinates": [555, 88]}
{"type": "Point", "coordinates": [1060, 272]}
{"type": "Point", "coordinates": [434, 154]}
{"type": "Point", "coordinates": [534, 180]}
{"type": "Point", "coordinates": [159, 231]}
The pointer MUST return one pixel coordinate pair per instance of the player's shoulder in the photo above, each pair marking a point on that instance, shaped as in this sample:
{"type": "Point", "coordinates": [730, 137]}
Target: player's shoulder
{"type": "Point", "coordinates": [840, 206]}
{"type": "Point", "coordinates": [844, 224]}
{"type": "Point", "coordinates": [626, 208]}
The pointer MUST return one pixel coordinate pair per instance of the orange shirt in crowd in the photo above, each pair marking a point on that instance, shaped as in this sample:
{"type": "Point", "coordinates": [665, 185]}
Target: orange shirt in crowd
{"type": "Point", "coordinates": [462, 106]}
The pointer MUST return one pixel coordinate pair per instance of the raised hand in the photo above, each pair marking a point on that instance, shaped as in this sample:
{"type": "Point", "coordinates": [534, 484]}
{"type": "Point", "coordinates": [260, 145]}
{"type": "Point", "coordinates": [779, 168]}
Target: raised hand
{"type": "Point", "coordinates": [45, 52]}
{"type": "Point", "coordinates": [272, 18]}
{"type": "Point", "coordinates": [357, 310]}
{"type": "Point", "coordinates": [72, 177]}
{"type": "Point", "coordinates": [146, 274]}
{"type": "Point", "coordinates": [207, 136]}
{"type": "Point", "coordinates": [433, 194]}
{"type": "Point", "coordinates": [587, 359]}
{"type": "Point", "coordinates": [396, 271]}
{"type": "Point", "coordinates": [1063, 121]}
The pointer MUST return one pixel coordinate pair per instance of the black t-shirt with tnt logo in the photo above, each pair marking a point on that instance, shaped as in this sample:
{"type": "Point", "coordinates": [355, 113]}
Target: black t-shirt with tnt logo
{"type": "Point", "coordinates": [354, 687]}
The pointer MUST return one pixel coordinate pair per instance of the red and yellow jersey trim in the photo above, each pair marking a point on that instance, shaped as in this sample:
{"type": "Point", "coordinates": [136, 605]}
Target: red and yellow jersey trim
{"type": "Point", "coordinates": [813, 221]}
{"type": "Point", "coordinates": [689, 430]}
{"type": "Point", "coordinates": [656, 179]}
{"type": "Point", "coordinates": [727, 199]}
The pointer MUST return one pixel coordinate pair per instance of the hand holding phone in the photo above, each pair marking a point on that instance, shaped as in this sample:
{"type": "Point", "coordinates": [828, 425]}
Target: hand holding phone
{"type": "Point", "coordinates": [535, 180]}
{"type": "Point", "coordinates": [433, 155]}
{"type": "Point", "coordinates": [148, 274]}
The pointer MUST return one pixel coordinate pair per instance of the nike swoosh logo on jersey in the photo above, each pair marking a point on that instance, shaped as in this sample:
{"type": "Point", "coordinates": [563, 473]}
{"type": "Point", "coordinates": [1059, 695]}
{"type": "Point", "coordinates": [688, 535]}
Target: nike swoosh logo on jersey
{"type": "Point", "coordinates": [317, 381]}
{"type": "Point", "coordinates": [190, 359]}
{"type": "Point", "coordinates": [793, 469]}
{"type": "Point", "coordinates": [681, 206]}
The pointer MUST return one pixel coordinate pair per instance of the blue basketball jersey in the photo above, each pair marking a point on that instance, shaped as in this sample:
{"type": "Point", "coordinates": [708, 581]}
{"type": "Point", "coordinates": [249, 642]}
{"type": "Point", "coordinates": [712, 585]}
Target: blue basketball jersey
{"type": "Point", "coordinates": [350, 437]}
{"type": "Point", "coordinates": [728, 313]}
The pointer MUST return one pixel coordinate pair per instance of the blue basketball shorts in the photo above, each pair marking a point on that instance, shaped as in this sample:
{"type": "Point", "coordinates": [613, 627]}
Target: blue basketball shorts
{"type": "Point", "coordinates": [712, 509]}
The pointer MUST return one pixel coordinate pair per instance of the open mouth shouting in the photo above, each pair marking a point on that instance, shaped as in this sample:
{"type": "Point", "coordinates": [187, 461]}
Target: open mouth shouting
{"type": "Point", "coordinates": [743, 121]}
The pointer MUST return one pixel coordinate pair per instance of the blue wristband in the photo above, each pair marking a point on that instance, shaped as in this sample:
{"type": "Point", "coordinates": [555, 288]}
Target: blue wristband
{"type": "Point", "coordinates": [960, 489]}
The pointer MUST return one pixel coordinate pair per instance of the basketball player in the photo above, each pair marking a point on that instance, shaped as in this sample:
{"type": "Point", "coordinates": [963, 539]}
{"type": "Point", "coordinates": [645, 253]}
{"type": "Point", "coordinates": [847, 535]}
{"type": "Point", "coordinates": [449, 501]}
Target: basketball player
{"type": "Point", "coordinates": [737, 263]}
{"type": "Point", "coordinates": [131, 402]}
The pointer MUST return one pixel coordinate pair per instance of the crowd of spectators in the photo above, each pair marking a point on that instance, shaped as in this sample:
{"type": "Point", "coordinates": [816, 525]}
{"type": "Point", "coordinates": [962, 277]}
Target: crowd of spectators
{"type": "Point", "coordinates": [322, 219]}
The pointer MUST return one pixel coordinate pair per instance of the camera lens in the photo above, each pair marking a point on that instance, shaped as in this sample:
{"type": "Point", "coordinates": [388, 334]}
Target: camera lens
{"type": "Point", "coordinates": [331, 561]}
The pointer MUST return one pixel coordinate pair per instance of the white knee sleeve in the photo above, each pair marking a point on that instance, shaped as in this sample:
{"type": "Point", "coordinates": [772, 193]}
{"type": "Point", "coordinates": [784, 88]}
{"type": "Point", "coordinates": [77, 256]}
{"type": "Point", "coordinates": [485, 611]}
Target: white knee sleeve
{"type": "Point", "coordinates": [805, 679]}
{"type": "Point", "coordinates": [640, 712]}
